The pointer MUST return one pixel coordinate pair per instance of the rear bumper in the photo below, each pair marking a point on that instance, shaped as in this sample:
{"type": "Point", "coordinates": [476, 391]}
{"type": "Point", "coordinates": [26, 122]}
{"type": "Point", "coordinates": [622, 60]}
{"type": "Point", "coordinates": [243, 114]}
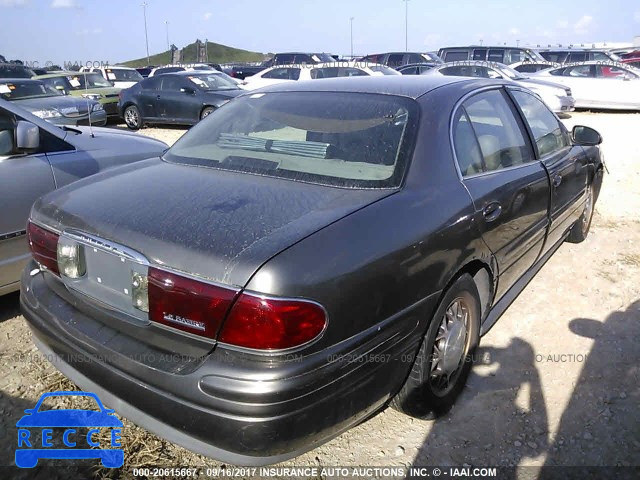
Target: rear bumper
{"type": "Point", "coordinates": [234, 407]}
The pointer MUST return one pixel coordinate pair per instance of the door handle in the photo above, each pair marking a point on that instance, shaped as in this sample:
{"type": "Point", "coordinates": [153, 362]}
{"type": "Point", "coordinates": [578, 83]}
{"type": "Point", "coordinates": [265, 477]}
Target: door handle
{"type": "Point", "coordinates": [492, 211]}
{"type": "Point", "coordinates": [557, 180]}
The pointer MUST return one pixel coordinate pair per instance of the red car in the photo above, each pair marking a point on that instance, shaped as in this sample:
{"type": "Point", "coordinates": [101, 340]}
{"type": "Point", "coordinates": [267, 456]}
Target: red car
{"type": "Point", "coordinates": [633, 61]}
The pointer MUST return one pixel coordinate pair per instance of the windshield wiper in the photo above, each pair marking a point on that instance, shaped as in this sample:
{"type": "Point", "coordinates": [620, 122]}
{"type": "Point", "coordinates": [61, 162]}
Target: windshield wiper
{"type": "Point", "coordinates": [67, 128]}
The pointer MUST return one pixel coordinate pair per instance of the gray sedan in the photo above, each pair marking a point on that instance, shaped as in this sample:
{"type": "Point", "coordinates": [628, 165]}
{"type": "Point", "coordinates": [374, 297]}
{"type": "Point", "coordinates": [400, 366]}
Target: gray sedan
{"type": "Point", "coordinates": [49, 104]}
{"type": "Point", "coordinates": [37, 157]}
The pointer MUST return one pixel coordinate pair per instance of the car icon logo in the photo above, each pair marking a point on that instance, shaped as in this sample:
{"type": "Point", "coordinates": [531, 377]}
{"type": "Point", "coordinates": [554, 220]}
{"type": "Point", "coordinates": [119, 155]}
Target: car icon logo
{"type": "Point", "coordinates": [66, 443]}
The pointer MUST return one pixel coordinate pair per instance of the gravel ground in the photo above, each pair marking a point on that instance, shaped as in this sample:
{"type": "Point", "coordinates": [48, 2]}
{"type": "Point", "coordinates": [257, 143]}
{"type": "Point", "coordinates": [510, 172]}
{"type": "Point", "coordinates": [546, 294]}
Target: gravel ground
{"type": "Point", "coordinates": [556, 383]}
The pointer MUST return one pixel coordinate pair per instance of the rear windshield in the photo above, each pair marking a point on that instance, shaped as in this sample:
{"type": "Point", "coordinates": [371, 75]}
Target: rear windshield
{"type": "Point", "coordinates": [339, 139]}
{"type": "Point", "coordinates": [17, 90]}
{"type": "Point", "coordinates": [88, 80]}
{"type": "Point", "coordinates": [213, 81]}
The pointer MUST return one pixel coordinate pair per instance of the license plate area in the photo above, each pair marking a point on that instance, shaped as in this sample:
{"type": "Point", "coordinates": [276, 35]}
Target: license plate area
{"type": "Point", "coordinates": [109, 272]}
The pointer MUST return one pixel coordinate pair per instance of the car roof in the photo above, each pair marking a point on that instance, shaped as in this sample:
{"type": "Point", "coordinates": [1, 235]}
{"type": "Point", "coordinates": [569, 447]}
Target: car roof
{"type": "Point", "coordinates": [64, 74]}
{"type": "Point", "coordinates": [486, 46]}
{"type": "Point", "coordinates": [398, 85]}
{"type": "Point", "coordinates": [191, 73]}
{"type": "Point", "coordinates": [595, 62]}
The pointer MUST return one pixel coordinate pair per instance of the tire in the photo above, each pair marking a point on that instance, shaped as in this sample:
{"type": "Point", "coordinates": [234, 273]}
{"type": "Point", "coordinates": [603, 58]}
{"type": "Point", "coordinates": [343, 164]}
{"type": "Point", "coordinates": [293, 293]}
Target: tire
{"type": "Point", "coordinates": [580, 229]}
{"type": "Point", "coordinates": [132, 117]}
{"type": "Point", "coordinates": [206, 112]}
{"type": "Point", "coordinates": [426, 395]}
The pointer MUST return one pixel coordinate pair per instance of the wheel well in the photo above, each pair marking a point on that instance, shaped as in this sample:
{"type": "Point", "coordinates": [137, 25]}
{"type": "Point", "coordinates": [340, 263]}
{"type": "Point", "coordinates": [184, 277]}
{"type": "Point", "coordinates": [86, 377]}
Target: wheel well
{"type": "Point", "coordinates": [483, 278]}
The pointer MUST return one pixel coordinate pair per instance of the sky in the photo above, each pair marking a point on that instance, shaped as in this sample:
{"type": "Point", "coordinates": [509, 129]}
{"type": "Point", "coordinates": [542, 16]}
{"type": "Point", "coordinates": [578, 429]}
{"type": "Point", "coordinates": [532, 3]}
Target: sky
{"type": "Point", "coordinates": [110, 31]}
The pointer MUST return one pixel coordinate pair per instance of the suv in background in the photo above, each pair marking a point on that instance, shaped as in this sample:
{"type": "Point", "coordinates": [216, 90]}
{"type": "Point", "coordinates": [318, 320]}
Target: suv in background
{"type": "Point", "coordinates": [397, 59]}
{"type": "Point", "coordinates": [121, 77]}
{"type": "Point", "coordinates": [574, 55]}
{"type": "Point", "coordinates": [506, 55]}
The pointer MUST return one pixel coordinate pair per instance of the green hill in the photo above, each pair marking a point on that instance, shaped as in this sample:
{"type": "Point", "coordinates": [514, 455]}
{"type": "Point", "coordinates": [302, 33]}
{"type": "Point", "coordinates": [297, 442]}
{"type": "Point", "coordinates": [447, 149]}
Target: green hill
{"type": "Point", "coordinates": [217, 54]}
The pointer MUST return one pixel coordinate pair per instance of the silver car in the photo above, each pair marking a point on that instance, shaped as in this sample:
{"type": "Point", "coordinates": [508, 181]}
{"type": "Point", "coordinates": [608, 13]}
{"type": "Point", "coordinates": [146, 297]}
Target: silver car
{"type": "Point", "coordinates": [557, 97]}
{"type": "Point", "coordinates": [37, 157]}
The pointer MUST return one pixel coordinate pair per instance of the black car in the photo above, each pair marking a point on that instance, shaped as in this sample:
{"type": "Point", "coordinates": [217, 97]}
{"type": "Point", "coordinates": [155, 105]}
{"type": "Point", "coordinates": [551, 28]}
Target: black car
{"type": "Point", "coordinates": [417, 68]}
{"type": "Point", "coordinates": [307, 255]}
{"type": "Point", "coordinates": [397, 59]}
{"type": "Point", "coordinates": [14, 70]}
{"type": "Point", "coordinates": [182, 98]}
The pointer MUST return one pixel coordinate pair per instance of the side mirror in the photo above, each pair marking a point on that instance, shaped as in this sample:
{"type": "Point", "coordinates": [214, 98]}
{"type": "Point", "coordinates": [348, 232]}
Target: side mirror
{"type": "Point", "coordinates": [27, 137]}
{"type": "Point", "coordinates": [188, 90]}
{"type": "Point", "coordinates": [585, 136]}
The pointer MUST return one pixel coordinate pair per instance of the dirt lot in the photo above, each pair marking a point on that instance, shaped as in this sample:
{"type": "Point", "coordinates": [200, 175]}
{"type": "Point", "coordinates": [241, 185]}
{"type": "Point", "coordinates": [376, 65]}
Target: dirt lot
{"type": "Point", "coordinates": [557, 383]}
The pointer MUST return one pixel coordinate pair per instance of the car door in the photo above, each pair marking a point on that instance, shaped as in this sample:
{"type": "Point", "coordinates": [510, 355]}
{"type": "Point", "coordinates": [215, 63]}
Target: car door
{"type": "Point", "coordinates": [148, 97]}
{"type": "Point", "coordinates": [567, 165]}
{"type": "Point", "coordinates": [23, 179]}
{"type": "Point", "coordinates": [508, 185]}
{"type": "Point", "coordinates": [585, 88]}
{"type": "Point", "coordinates": [622, 86]}
{"type": "Point", "coordinates": [175, 105]}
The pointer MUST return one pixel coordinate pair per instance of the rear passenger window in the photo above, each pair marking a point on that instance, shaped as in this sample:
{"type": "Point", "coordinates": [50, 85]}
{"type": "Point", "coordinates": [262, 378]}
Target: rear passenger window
{"type": "Point", "coordinates": [496, 55]}
{"type": "Point", "coordinates": [500, 136]}
{"type": "Point", "coordinates": [577, 57]}
{"type": "Point", "coordinates": [547, 131]}
{"type": "Point", "coordinates": [480, 54]}
{"type": "Point", "coordinates": [456, 56]}
{"type": "Point", "coordinates": [395, 60]}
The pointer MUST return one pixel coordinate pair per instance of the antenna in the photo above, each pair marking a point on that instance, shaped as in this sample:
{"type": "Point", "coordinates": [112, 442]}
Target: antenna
{"type": "Point", "coordinates": [86, 96]}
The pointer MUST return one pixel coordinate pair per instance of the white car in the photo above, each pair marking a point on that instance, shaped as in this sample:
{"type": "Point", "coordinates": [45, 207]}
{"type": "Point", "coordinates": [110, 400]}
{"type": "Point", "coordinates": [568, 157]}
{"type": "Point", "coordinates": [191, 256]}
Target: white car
{"type": "Point", "coordinates": [599, 85]}
{"type": "Point", "coordinates": [120, 77]}
{"type": "Point", "coordinates": [557, 97]}
{"type": "Point", "coordinates": [287, 73]}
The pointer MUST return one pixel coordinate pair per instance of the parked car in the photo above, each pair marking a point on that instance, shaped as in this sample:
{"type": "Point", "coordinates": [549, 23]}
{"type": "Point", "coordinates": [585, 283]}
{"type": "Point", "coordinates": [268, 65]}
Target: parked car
{"type": "Point", "coordinates": [121, 77]}
{"type": "Point", "coordinates": [50, 104]}
{"type": "Point", "coordinates": [181, 68]}
{"type": "Point", "coordinates": [285, 73]}
{"type": "Point", "coordinates": [306, 256]}
{"type": "Point", "coordinates": [532, 67]}
{"type": "Point", "coordinates": [397, 59]}
{"type": "Point", "coordinates": [13, 70]}
{"type": "Point", "coordinates": [632, 61]}
{"type": "Point", "coordinates": [631, 53]}
{"type": "Point", "coordinates": [241, 72]}
{"type": "Point", "coordinates": [599, 85]}
{"type": "Point", "coordinates": [557, 97]}
{"type": "Point", "coordinates": [288, 58]}
{"type": "Point", "coordinates": [416, 68]}
{"type": "Point", "coordinates": [85, 85]}
{"type": "Point", "coordinates": [144, 71]}
{"type": "Point", "coordinates": [182, 98]}
{"type": "Point", "coordinates": [574, 55]}
{"type": "Point", "coordinates": [499, 54]}
{"type": "Point", "coordinates": [37, 157]}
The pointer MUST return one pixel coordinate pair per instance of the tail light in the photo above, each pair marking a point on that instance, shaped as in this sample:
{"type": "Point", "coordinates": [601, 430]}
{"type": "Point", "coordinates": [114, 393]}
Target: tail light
{"type": "Point", "coordinates": [187, 304]}
{"type": "Point", "coordinates": [272, 324]}
{"type": "Point", "coordinates": [44, 247]}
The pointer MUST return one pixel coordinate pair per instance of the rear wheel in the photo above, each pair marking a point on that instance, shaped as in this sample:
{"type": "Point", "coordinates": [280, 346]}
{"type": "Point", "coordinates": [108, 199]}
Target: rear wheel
{"type": "Point", "coordinates": [206, 112]}
{"type": "Point", "coordinates": [132, 117]}
{"type": "Point", "coordinates": [580, 229]}
{"type": "Point", "coordinates": [443, 362]}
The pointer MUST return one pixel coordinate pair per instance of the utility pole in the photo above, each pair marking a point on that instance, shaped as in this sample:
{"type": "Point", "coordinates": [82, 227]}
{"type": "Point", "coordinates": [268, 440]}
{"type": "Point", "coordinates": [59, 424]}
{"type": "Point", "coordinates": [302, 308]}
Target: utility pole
{"type": "Point", "coordinates": [406, 25]}
{"type": "Point", "coordinates": [351, 20]}
{"type": "Point", "coordinates": [146, 36]}
{"type": "Point", "coordinates": [166, 24]}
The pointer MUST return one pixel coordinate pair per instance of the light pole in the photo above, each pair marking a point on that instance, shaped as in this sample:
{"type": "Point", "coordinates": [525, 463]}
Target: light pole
{"type": "Point", "coordinates": [351, 20]}
{"type": "Point", "coordinates": [146, 36]}
{"type": "Point", "coordinates": [166, 23]}
{"type": "Point", "coordinates": [517, 43]}
{"type": "Point", "coordinates": [406, 25]}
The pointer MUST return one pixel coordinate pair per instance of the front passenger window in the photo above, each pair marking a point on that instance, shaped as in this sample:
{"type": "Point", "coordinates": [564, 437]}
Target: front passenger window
{"type": "Point", "coordinates": [549, 134]}
{"type": "Point", "coordinates": [500, 136]}
{"type": "Point", "coordinates": [6, 133]}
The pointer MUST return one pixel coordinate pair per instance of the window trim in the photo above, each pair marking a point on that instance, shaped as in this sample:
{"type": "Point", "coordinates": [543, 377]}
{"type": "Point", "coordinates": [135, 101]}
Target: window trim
{"type": "Point", "coordinates": [519, 120]}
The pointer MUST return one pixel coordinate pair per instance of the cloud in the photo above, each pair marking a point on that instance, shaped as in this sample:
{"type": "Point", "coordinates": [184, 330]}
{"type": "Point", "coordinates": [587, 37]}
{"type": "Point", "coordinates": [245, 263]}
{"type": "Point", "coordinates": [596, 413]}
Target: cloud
{"type": "Point", "coordinates": [64, 4]}
{"type": "Point", "coordinates": [13, 3]}
{"type": "Point", "coordinates": [636, 16]}
{"type": "Point", "coordinates": [514, 31]}
{"type": "Point", "coordinates": [207, 15]}
{"type": "Point", "coordinates": [583, 24]}
{"type": "Point", "coordinates": [562, 24]}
